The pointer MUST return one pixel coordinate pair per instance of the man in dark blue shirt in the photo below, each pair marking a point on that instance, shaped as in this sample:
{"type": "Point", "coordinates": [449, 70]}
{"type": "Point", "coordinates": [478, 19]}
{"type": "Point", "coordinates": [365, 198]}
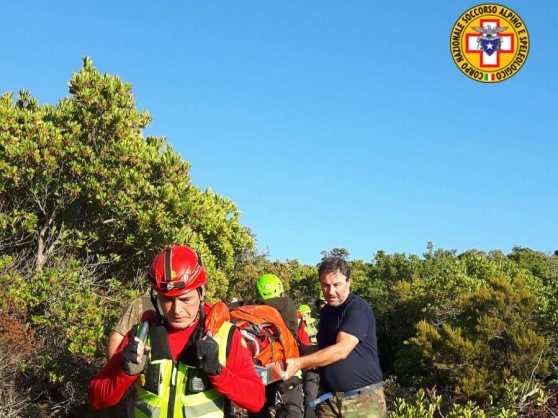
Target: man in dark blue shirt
{"type": "Point", "coordinates": [350, 374]}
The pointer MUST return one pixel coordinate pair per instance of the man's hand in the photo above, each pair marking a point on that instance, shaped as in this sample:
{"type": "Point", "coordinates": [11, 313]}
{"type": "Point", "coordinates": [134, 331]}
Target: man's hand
{"type": "Point", "coordinates": [208, 353]}
{"type": "Point", "coordinates": [134, 357]}
{"type": "Point", "coordinates": [293, 366]}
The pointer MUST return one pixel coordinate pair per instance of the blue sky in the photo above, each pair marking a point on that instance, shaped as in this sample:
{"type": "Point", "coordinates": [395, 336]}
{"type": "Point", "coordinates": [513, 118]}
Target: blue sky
{"type": "Point", "coordinates": [329, 123]}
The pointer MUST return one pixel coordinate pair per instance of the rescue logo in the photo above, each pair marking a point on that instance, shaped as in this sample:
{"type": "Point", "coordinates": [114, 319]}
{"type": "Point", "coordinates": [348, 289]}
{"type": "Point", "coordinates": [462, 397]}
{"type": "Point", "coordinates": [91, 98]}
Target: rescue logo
{"type": "Point", "coordinates": [489, 43]}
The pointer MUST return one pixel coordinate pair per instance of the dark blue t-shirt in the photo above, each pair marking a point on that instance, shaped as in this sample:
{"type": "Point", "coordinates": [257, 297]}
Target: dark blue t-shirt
{"type": "Point", "coordinates": [362, 366]}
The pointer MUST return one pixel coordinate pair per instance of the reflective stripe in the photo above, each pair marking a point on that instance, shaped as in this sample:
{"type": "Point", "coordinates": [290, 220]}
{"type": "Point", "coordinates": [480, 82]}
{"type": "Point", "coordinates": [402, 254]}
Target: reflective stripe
{"type": "Point", "coordinates": [205, 404]}
{"type": "Point", "coordinates": [221, 337]}
{"type": "Point", "coordinates": [142, 408]}
{"type": "Point", "coordinates": [173, 376]}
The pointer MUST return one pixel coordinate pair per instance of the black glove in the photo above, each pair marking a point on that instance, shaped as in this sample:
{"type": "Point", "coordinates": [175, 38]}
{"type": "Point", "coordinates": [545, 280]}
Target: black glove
{"type": "Point", "coordinates": [130, 356]}
{"type": "Point", "coordinates": [208, 353]}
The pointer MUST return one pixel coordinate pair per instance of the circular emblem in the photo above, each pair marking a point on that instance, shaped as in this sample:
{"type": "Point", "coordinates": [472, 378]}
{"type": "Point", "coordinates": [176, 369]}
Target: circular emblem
{"type": "Point", "coordinates": [489, 43]}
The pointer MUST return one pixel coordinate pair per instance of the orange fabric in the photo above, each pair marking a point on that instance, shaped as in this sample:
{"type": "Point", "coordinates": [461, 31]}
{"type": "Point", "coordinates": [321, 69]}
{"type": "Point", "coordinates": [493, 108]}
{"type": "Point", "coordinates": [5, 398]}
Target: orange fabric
{"type": "Point", "coordinates": [215, 317]}
{"type": "Point", "coordinates": [281, 347]}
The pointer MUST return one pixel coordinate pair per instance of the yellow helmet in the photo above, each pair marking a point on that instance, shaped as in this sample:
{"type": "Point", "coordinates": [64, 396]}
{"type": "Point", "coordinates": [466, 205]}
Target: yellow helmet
{"type": "Point", "coordinates": [304, 309]}
{"type": "Point", "coordinates": [269, 286]}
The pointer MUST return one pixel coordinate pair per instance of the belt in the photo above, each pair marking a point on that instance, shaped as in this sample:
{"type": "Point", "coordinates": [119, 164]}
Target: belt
{"type": "Point", "coordinates": [326, 396]}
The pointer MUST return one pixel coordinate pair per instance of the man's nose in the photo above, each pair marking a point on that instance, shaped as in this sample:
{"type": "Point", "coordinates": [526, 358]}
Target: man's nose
{"type": "Point", "coordinates": [175, 306]}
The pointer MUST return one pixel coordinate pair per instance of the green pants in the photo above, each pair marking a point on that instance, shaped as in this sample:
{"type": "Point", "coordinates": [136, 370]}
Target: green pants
{"type": "Point", "coordinates": [366, 405]}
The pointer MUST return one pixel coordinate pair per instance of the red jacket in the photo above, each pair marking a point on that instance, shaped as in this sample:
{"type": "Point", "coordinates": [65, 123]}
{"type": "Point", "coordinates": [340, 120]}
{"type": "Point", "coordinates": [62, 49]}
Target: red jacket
{"type": "Point", "coordinates": [303, 334]}
{"type": "Point", "coordinates": [238, 380]}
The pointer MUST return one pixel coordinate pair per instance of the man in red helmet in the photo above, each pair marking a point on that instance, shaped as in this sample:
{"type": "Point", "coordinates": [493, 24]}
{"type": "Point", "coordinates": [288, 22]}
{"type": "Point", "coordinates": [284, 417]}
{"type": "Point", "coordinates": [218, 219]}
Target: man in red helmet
{"type": "Point", "coordinates": [178, 369]}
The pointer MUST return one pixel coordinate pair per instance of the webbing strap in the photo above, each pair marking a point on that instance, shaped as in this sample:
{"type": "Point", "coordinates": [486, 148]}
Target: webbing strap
{"type": "Point", "coordinates": [326, 396]}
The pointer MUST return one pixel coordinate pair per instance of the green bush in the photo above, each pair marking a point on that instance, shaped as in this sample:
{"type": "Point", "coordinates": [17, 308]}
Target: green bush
{"type": "Point", "coordinates": [491, 339]}
{"type": "Point", "coordinates": [63, 315]}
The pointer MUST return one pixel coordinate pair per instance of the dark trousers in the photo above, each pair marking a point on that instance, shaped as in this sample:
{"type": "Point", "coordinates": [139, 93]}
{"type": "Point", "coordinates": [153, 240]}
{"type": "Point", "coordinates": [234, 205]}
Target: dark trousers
{"type": "Point", "coordinates": [311, 386]}
{"type": "Point", "coordinates": [283, 400]}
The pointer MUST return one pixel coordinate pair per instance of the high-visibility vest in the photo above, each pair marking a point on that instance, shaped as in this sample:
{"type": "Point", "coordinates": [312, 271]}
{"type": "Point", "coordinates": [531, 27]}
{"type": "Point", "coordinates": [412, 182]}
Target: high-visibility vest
{"type": "Point", "coordinates": [164, 389]}
{"type": "Point", "coordinates": [311, 329]}
{"type": "Point", "coordinates": [310, 326]}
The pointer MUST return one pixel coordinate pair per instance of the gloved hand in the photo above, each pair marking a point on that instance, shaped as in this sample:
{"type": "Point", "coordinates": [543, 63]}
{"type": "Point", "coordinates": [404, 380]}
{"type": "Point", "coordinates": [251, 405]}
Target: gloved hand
{"type": "Point", "coordinates": [208, 353]}
{"type": "Point", "coordinates": [133, 361]}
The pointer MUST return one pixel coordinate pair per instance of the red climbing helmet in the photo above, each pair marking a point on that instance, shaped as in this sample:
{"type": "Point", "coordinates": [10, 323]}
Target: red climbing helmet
{"type": "Point", "coordinates": [176, 270]}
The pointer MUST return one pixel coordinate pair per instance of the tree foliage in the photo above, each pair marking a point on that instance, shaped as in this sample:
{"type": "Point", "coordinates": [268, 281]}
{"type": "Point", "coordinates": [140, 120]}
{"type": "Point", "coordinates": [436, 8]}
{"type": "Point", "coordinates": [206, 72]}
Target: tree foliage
{"type": "Point", "coordinates": [490, 338]}
{"type": "Point", "coordinates": [86, 201]}
{"type": "Point", "coordinates": [79, 179]}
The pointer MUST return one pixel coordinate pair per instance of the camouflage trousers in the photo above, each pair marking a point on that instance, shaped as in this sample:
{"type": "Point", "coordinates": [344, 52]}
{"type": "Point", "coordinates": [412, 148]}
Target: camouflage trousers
{"type": "Point", "coordinates": [365, 405]}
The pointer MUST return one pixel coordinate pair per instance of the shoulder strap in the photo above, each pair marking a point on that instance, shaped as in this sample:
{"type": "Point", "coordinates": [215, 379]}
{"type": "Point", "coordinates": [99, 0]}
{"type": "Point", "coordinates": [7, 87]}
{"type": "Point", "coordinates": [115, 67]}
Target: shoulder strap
{"type": "Point", "coordinates": [159, 342]}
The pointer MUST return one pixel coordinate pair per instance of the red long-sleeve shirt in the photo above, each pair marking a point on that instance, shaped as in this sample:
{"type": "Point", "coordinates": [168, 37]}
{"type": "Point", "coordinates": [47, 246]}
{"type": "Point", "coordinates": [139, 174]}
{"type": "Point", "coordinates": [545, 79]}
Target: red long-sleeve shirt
{"type": "Point", "coordinates": [237, 381]}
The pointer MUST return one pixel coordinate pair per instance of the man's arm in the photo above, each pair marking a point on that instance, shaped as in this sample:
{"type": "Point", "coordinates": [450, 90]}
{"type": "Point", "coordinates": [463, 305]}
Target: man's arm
{"type": "Point", "coordinates": [131, 316]}
{"type": "Point", "coordinates": [109, 385]}
{"type": "Point", "coordinates": [114, 340]}
{"type": "Point", "coordinates": [344, 344]}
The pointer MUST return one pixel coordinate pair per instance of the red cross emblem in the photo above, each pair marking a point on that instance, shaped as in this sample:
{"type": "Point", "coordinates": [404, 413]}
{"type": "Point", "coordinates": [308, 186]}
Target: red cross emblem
{"type": "Point", "coordinates": [505, 44]}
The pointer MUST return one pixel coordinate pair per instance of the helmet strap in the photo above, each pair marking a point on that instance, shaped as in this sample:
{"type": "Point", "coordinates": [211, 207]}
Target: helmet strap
{"type": "Point", "coordinates": [159, 317]}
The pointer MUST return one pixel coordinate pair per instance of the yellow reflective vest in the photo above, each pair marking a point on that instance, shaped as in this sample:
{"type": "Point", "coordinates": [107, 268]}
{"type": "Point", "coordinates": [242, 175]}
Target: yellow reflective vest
{"type": "Point", "coordinates": [170, 388]}
{"type": "Point", "coordinates": [311, 328]}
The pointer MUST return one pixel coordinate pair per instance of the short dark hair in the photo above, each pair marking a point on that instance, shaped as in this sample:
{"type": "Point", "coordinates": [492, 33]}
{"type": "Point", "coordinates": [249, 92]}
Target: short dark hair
{"type": "Point", "coordinates": [332, 264]}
